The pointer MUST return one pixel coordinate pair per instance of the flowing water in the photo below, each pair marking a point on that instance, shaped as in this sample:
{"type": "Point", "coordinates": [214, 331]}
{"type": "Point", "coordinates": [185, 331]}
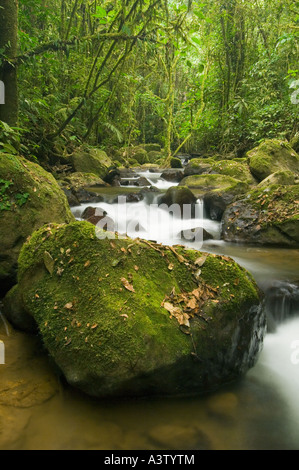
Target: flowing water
{"type": "Point", "coordinates": [261, 411]}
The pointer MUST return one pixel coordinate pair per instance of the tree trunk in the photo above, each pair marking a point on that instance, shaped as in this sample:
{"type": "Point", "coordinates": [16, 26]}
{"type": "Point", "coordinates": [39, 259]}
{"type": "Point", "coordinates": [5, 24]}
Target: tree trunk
{"type": "Point", "coordinates": [8, 72]}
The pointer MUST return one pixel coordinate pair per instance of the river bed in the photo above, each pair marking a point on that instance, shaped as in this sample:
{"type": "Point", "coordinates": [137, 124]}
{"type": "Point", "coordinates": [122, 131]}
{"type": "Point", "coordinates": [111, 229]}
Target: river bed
{"type": "Point", "coordinates": [38, 410]}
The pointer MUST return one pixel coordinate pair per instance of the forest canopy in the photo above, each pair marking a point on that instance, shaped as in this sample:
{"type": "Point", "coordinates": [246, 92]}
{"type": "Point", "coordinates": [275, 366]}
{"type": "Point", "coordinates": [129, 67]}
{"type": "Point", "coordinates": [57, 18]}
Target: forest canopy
{"type": "Point", "coordinates": [193, 76]}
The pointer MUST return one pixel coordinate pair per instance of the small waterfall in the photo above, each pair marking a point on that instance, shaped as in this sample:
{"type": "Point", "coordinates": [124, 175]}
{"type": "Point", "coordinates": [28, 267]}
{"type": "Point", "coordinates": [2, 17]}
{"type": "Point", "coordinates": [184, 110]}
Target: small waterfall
{"type": "Point", "coordinates": [2, 318]}
{"type": "Point", "coordinates": [282, 300]}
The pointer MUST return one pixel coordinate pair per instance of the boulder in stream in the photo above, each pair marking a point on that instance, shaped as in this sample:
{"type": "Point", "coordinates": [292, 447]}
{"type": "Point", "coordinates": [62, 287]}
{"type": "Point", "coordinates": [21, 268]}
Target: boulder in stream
{"type": "Point", "coordinates": [123, 317]}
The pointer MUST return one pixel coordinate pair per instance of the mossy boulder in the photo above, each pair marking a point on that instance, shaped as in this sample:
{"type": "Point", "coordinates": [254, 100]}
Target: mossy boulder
{"type": "Point", "coordinates": [217, 191]}
{"type": "Point", "coordinates": [123, 317]}
{"type": "Point", "coordinates": [154, 156]}
{"type": "Point", "coordinates": [284, 177]}
{"type": "Point", "coordinates": [198, 166]}
{"type": "Point", "coordinates": [87, 159]}
{"type": "Point", "coordinates": [236, 169]}
{"type": "Point", "coordinates": [266, 216]}
{"type": "Point", "coordinates": [151, 147]}
{"type": "Point", "coordinates": [176, 162]}
{"type": "Point", "coordinates": [29, 198]}
{"type": "Point", "coordinates": [271, 156]}
{"type": "Point", "coordinates": [137, 153]}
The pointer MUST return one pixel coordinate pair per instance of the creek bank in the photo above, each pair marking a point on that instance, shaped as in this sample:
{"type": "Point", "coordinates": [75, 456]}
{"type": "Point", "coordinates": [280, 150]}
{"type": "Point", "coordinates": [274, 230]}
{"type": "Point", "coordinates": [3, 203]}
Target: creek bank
{"type": "Point", "coordinates": [29, 198]}
{"type": "Point", "coordinates": [123, 317]}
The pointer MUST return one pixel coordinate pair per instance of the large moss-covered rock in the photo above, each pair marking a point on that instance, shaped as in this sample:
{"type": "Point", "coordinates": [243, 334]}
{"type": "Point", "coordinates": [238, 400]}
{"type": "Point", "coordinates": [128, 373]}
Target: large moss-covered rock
{"type": "Point", "coordinates": [235, 168]}
{"type": "Point", "coordinates": [91, 160]}
{"type": "Point", "coordinates": [267, 216]}
{"type": "Point", "coordinates": [127, 317]}
{"type": "Point", "coordinates": [217, 191]}
{"type": "Point", "coordinates": [29, 198]}
{"type": "Point", "coordinates": [271, 156]}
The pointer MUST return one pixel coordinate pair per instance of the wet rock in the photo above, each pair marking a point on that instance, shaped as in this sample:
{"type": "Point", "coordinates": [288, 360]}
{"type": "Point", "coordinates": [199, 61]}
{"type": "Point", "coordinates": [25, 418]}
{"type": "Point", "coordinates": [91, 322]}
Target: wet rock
{"type": "Point", "coordinates": [217, 191]}
{"type": "Point", "coordinates": [76, 188]}
{"type": "Point", "coordinates": [163, 321]}
{"type": "Point", "coordinates": [266, 216]}
{"type": "Point", "coordinates": [180, 196]}
{"type": "Point", "coordinates": [95, 215]}
{"type": "Point", "coordinates": [198, 233]}
{"type": "Point", "coordinates": [172, 175]}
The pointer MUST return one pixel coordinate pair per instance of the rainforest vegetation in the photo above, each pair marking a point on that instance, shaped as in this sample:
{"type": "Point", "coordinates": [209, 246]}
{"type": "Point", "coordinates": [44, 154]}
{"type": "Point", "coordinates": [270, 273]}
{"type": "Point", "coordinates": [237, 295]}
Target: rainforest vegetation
{"type": "Point", "coordinates": [193, 76]}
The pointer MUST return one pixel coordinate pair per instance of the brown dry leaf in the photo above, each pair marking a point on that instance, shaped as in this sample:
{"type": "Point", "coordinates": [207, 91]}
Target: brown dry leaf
{"type": "Point", "coordinates": [124, 315]}
{"type": "Point", "coordinates": [182, 317]}
{"type": "Point", "coordinates": [123, 250]}
{"type": "Point", "coordinates": [69, 305]}
{"type": "Point", "coordinates": [136, 268]}
{"type": "Point", "coordinates": [200, 261]}
{"type": "Point", "coordinates": [192, 303]}
{"type": "Point", "coordinates": [170, 266]}
{"type": "Point", "coordinates": [197, 292]}
{"type": "Point", "coordinates": [94, 326]}
{"type": "Point", "coordinates": [127, 285]}
{"type": "Point", "coordinates": [87, 264]}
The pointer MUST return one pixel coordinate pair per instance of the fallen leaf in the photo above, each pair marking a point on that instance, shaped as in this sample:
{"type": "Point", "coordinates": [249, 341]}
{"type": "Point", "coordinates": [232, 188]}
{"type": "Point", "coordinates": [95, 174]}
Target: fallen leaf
{"type": "Point", "coordinates": [69, 305]}
{"type": "Point", "coordinates": [170, 266]}
{"type": "Point", "coordinates": [48, 262]}
{"type": "Point", "coordinates": [200, 261]}
{"type": "Point", "coordinates": [127, 285]}
{"type": "Point", "coordinates": [87, 264]}
{"type": "Point", "coordinates": [94, 326]}
{"type": "Point", "coordinates": [192, 303]}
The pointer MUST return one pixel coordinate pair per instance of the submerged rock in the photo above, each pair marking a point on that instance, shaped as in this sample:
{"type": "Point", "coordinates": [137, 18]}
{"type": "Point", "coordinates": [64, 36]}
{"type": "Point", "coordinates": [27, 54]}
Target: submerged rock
{"type": "Point", "coordinates": [266, 216]}
{"type": "Point", "coordinates": [29, 198]}
{"type": "Point", "coordinates": [123, 317]}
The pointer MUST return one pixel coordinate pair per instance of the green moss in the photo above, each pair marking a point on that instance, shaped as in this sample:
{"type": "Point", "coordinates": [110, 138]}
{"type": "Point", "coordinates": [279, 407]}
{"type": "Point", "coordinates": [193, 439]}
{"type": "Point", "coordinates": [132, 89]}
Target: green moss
{"type": "Point", "coordinates": [91, 160]}
{"type": "Point", "coordinates": [271, 156]}
{"type": "Point", "coordinates": [34, 198]}
{"type": "Point", "coordinates": [201, 184]}
{"type": "Point", "coordinates": [235, 169]}
{"type": "Point", "coordinates": [100, 305]}
{"type": "Point", "coordinates": [176, 163]}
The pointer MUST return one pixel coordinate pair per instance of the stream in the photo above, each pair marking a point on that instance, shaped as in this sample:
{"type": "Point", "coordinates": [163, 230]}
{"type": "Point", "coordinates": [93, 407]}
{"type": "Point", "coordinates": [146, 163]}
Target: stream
{"type": "Point", "coordinates": [259, 412]}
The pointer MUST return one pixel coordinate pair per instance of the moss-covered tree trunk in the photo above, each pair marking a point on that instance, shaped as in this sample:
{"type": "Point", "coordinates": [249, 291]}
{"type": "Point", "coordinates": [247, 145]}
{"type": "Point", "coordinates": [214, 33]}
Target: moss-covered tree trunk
{"type": "Point", "coordinates": [8, 50]}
